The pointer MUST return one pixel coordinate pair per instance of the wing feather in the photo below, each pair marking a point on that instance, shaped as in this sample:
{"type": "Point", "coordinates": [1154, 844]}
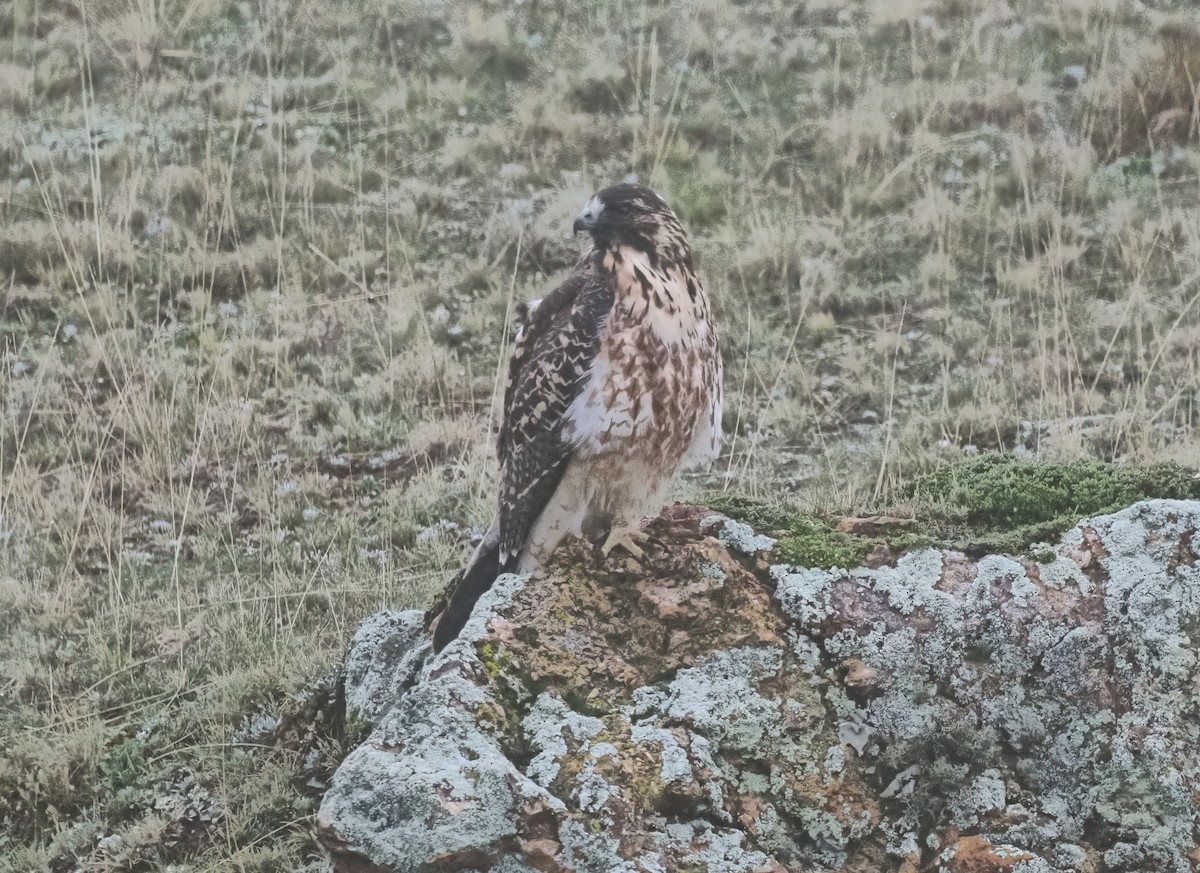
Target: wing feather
{"type": "Point", "coordinates": [551, 362]}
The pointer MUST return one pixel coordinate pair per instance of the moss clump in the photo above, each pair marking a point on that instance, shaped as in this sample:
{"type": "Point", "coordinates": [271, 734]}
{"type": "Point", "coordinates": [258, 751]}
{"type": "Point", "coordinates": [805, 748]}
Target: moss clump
{"type": "Point", "coordinates": [803, 540]}
{"type": "Point", "coordinates": [995, 503]}
{"type": "Point", "coordinates": [999, 489]}
{"type": "Point", "coordinates": [759, 515]}
{"type": "Point", "coordinates": [998, 502]}
{"type": "Point", "coordinates": [813, 545]}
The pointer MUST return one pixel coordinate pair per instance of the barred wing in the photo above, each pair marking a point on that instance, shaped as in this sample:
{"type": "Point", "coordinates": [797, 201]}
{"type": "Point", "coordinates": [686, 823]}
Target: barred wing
{"type": "Point", "coordinates": [549, 366]}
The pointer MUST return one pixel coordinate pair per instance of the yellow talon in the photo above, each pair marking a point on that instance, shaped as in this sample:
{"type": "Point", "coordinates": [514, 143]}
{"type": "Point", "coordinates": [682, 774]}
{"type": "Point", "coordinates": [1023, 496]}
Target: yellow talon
{"type": "Point", "coordinates": [627, 538]}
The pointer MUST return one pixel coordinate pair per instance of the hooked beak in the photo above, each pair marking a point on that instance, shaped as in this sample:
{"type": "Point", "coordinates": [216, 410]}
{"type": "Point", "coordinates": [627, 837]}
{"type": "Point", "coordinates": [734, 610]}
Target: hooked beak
{"type": "Point", "coordinates": [589, 217]}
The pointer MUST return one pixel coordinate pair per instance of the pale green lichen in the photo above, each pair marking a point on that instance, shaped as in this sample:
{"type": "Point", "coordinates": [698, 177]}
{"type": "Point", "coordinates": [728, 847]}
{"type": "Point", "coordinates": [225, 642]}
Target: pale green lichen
{"type": "Point", "coordinates": [588, 851]}
{"type": "Point", "coordinates": [804, 593]}
{"type": "Point", "coordinates": [855, 731]}
{"type": "Point", "coordinates": [909, 585]}
{"type": "Point", "coordinates": [675, 767]}
{"type": "Point", "coordinates": [1033, 865]}
{"type": "Point", "coordinates": [985, 793]}
{"type": "Point", "coordinates": [1063, 574]}
{"type": "Point", "coordinates": [592, 791]}
{"type": "Point", "coordinates": [710, 849]}
{"type": "Point", "coordinates": [434, 749]}
{"type": "Point", "coordinates": [511, 865]}
{"type": "Point", "coordinates": [741, 537]}
{"type": "Point", "coordinates": [384, 657]}
{"type": "Point", "coordinates": [718, 697]}
{"type": "Point", "coordinates": [431, 752]}
{"type": "Point", "coordinates": [826, 834]}
{"type": "Point", "coordinates": [835, 763]}
{"type": "Point", "coordinates": [551, 729]}
{"type": "Point", "coordinates": [499, 595]}
{"type": "Point", "coordinates": [806, 652]}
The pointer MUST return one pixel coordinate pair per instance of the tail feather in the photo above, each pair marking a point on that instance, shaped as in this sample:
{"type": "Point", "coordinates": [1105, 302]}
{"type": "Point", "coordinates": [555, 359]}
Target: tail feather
{"type": "Point", "coordinates": [477, 578]}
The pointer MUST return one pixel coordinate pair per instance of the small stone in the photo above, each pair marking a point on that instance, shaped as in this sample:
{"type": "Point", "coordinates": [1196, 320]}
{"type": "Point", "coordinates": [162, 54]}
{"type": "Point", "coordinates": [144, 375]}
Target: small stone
{"type": "Point", "coordinates": [975, 854]}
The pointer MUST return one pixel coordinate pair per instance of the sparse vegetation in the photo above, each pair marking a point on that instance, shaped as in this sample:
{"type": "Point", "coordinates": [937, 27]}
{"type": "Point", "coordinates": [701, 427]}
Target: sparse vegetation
{"type": "Point", "coordinates": [991, 503]}
{"type": "Point", "coordinates": [258, 264]}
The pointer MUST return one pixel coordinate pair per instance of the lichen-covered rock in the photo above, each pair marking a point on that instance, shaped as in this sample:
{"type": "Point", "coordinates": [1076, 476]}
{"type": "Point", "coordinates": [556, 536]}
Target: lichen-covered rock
{"type": "Point", "coordinates": [385, 655]}
{"type": "Point", "coordinates": [710, 711]}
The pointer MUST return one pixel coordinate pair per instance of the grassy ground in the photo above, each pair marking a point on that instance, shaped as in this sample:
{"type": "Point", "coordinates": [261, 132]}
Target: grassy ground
{"type": "Point", "coordinates": [259, 262]}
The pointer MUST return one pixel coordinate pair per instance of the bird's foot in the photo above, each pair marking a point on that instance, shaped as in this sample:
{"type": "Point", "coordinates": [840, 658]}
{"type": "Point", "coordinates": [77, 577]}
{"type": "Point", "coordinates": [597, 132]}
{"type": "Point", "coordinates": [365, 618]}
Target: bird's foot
{"type": "Point", "coordinates": [631, 539]}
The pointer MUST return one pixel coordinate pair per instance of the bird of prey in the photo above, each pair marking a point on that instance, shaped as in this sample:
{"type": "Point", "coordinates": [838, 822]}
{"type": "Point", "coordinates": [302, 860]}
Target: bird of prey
{"type": "Point", "coordinates": [615, 382]}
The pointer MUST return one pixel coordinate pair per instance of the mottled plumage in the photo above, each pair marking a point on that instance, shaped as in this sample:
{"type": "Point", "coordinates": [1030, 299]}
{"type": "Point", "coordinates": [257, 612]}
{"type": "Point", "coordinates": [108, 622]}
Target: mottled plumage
{"type": "Point", "coordinates": [614, 384]}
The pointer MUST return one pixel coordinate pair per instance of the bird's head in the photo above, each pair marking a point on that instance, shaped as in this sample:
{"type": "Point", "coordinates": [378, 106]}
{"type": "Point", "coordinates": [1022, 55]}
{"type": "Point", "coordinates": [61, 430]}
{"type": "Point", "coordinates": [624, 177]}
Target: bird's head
{"type": "Point", "coordinates": [632, 215]}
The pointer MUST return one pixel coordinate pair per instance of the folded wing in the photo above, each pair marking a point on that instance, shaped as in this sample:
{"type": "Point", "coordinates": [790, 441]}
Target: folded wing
{"type": "Point", "coordinates": [549, 367]}
{"type": "Point", "coordinates": [550, 364]}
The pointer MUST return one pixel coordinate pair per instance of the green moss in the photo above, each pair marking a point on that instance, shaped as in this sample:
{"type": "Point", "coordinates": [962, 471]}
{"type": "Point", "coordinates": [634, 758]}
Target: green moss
{"type": "Point", "coordinates": [995, 503]}
{"type": "Point", "coordinates": [908, 540]}
{"type": "Point", "coordinates": [758, 514]}
{"type": "Point", "coordinates": [646, 786]}
{"type": "Point", "coordinates": [1002, 490]}
{"type": "Point", "coordinates": [355, 730]}
{"type": "Point", "coordinates": [804, 541]}
{"type": "Point", "coordinates": [811, 545]}
{"type": "Point", "coordinates": [998, 502]}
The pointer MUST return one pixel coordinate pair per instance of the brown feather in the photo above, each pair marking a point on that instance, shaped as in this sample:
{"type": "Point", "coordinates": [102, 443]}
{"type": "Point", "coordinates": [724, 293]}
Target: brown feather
{"type": "Point", "coordinates": [614, 383]}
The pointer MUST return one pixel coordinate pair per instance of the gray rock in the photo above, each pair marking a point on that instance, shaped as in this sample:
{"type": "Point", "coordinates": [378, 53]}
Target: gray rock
{"type": "Point", "coordinates": [710, 713]}
{"type": "Point", "coordinates": [384, 656]}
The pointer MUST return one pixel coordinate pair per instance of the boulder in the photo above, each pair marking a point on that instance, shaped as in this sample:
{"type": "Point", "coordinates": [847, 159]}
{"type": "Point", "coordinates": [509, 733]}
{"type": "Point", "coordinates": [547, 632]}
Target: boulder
{"type": "Point", "coordinates": [712, 710]}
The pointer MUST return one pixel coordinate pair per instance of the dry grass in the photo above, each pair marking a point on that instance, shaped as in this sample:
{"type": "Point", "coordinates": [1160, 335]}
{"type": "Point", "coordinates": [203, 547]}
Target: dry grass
{"type": "Point", "coordinates": [257, 261]}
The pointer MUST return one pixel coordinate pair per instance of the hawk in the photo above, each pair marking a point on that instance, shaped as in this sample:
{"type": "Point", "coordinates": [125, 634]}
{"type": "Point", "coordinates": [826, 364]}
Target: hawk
{"type": "Point", "coordinates": [615, 382]}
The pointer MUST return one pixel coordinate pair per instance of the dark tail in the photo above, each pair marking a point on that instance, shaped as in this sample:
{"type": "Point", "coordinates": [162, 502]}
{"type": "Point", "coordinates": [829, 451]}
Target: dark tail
{"type": "Point", "coordinates": [476, 579]}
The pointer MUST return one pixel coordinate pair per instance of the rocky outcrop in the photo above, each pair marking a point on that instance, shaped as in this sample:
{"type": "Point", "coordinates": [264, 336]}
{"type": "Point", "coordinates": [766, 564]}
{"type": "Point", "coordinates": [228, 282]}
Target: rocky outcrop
{"type": "Point", "coordinates": [712, 710]}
